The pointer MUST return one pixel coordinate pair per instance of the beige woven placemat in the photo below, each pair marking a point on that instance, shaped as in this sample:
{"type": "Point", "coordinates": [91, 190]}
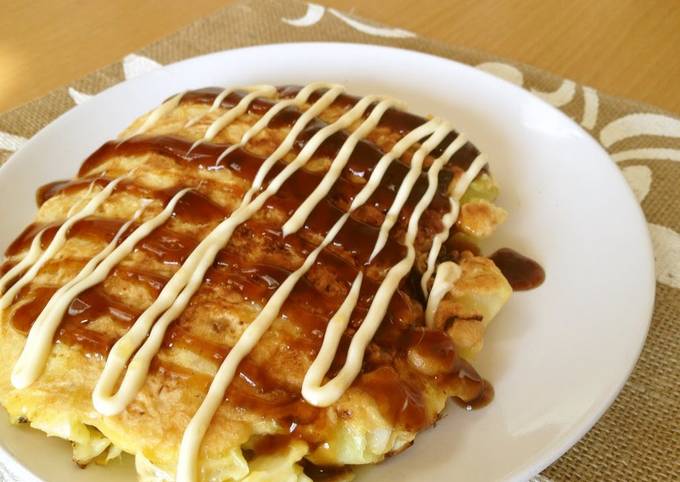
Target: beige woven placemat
{"type": "Point", "coordinates": [638, 439]}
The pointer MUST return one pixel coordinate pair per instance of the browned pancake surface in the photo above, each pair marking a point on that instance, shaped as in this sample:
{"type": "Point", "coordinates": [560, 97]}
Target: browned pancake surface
{"type": "Point", "coordinates": [408, 371]}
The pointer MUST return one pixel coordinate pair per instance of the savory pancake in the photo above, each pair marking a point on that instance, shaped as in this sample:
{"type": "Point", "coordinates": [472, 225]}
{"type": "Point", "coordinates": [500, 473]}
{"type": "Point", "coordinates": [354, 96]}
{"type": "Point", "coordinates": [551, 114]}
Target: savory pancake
{"type": "Point", "coordinates": [249, 284]}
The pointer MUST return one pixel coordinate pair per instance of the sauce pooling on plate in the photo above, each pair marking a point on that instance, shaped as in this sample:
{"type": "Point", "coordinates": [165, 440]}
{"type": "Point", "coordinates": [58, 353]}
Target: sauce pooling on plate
{"type": "Point", "coordinates": [522, 273]}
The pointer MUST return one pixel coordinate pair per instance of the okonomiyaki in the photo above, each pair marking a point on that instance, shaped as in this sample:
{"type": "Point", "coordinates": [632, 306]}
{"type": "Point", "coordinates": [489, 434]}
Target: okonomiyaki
{"type": "Point", "coordinates": [254, 283]}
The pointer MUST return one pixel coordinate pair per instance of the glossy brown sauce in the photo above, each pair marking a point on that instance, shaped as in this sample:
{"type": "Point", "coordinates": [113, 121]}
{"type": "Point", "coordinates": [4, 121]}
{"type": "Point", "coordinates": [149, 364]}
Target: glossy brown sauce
{"type": "Point", "coordinates": [484, 398]}
{"type": "Point", "coordinates": [400, 402]}
{"type": "Point", "coordinates": [271, 444]}
{"type": "Point", "coordinates": [152, 282]}
{"type": "Point", "coordinates": [315, 298]}
{"type": "Point", "coordinates": [255, 391]}
{"type": "Point", "coordinates": [298, 186]}
{"type": "Point", "coordinates": [397, 121]}
{"type": "Point", "coordinates": [6, 266]}
{"type": "Point", "coordinates": [90, 305]}
{"type": "Point", "coordinates": [320, 473]}
{"type": "Point", "coordinates": [50, 190]}
{"type": "Point", "coordinates": [23, 241]}
{"type": "Point", "coordinates": [254, 388]}
{"type": "Point", "coordinates": [521, 272]}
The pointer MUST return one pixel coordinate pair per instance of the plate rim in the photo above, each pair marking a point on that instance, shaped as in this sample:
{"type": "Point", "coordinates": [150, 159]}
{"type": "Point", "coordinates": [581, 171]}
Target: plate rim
{"type": "Point", "coordinates": [578, 428]}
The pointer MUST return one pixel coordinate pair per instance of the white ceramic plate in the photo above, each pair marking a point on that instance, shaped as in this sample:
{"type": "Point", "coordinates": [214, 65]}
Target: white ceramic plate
{"type": "Point", "coordinates": [557, 356]}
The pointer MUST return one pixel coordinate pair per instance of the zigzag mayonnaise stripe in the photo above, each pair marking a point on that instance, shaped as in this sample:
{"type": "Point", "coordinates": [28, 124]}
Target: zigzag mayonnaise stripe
{"type": "Point", "coordinates": [156, 114]}
{"type": "Point", "coordinates": [327, 394]}
{"type": "Point", "coordinates": [195, 431]}
{"type": "Point", "coordinates": [450, 218]}
{"type": "Point", "coordinates": [284, 148]}
{"type": "Point", "coordinates": [311, 387]}
{"type": "Point", "coordinates": [405, 189]}
{"type": "Point", "coordinates": [448, 273]}
{"type": "Point", "coordinates": [177, 293]}
{"type": "Point", "coordinates": [215, 105]}
{"type": "Point", "coordinates": [34, 355]}
{"type": "Point", "coordinates": [31, 256]}
{"type": "Point", "coordinates": [298, 101]}
{"type": "Point", "coordinates": [300, 215]}
{"type": "Point", "coordinates": [173, 296]}
{"type": "Point", "coordinates": [76, 205]}
{"type": "Point", "coordinates": [58, 241]}
{"type": "Point", "coordinates": [32, 360]}
{"type": "Point", "coordinates": [128, 362]}
{"type": "Point", "coordinates": [337, 386]}
{"type": "Point", "coordinates": [239, 109]}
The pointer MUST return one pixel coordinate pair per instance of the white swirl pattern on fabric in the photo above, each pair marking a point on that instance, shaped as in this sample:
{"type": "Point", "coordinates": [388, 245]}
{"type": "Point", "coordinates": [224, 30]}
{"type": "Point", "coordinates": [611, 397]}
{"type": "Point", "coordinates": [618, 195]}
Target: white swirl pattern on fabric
{"type": "Point", "coordinates": [591, 106]}
{"type": "Point", "coordinates": [639, 179]}
{"type": "Point", "coordinates": [562, 96]}
{"type": "Point", "coordinates": [661, 153]}
{"type": "Point", "coordinates": [504, 71]}
{"type": "Point", "coordinates": [639, 125]}
{"type": "Point", "coordinates": [10, 142]}
{"type": "Point", "coordinates": [666, 242]}
{"type": "Point", "coordinates": [315, 13]}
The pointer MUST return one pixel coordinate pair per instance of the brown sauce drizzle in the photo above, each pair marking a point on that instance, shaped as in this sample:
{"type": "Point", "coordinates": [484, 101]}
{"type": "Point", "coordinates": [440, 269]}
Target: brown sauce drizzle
{"type": "Point", "coordinates": [484, 398]}
{"type": "Point", "coordinates": [87, 307]}
{"type": "Point", "coordinates": [399, 402]}
{"type": "Point", "coordinates": [255, 388]}
{"type": "Point", "coordinates": [245, 164]}
{"type": "Point", "coordinates": [49, 190]}
{"type": "Point", "coordinates": [6, 266]}
{"type": "Point", "coordinates": [396, 120]}
{"type": "Point", "coordinates": [319, 473]}
{"type": "Point", "coordinates": [316, 297]}
{"type": "Point", "coordinates": [521, 272]}
{"type": "Point", "coordinates": [152, 282]}
{"type": "Point", "coordinates": [23, 317]}
{"type": "Point", "coordinates": [296, 189]}
{"type": "Point", "coordinates": [23, 241]}
{"type": "Point", "coordinates": [252, 390]}
{"type": "Point", "coordinates": [271, 444]}
{"type": "Point", "coordinates": [84, 309]}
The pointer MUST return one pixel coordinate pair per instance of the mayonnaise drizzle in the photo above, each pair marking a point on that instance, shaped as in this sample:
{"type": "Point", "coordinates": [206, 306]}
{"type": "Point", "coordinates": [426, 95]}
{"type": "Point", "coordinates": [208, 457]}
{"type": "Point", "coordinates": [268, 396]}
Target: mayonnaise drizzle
{"type": "Point", "coordinates": [145, 337]}
{"type": "Point", "coordinates": [284, 148]}
{"type": "Point", "coordinates": [448, 273]}
{"type": "Point", "coordinates": [58, 241]}
{"type": "Point", "coordinates": [325, 395]}
{"type": "Point", "coordinates": [406, 186]}
{"type": "Point", "coordinates": [177, 293]}
{"type": "Point", "coordinates": [450, 218]}
{"type": "Point", "coordinates": [239, 109]}
{"type": "Point", "coordinates": [34, 355]}
{"type": "Point", "coordinates": [76, 205]}
{"type": "Point", "coordinates": [301, 214]}
{"type": "Point", "coordinates": [156, 114]}
{"type": "Point", "coordinates": [198, 426]}
{"type": "Point", "coordinates": [215, 105]}
{"type": "Point", "coordinates": [264, 121]}
{"type": "Point", "coordinates": [33, 254]}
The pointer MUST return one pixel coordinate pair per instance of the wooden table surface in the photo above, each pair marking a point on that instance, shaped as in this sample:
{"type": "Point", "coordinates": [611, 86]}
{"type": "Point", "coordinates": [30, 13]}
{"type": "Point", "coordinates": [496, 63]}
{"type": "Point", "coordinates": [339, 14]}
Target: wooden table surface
{"type": "Point", "coordinates": [628, 48]}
